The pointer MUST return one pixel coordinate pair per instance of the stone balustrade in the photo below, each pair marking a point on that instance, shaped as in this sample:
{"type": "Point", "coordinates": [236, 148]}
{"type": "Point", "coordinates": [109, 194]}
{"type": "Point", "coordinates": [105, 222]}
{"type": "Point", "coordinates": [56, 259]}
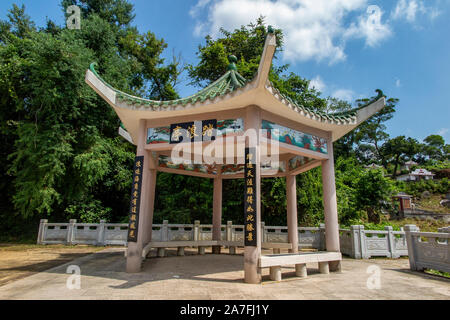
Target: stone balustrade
{"type": "Point", "coordinates": [356, 242]}
{"type": "Point", "coordinates": [428, 250]}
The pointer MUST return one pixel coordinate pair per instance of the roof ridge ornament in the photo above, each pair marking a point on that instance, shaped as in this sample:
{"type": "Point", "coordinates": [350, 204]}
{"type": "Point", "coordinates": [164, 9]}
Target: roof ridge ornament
{"type": "Point", "coordinates": [232, 59]}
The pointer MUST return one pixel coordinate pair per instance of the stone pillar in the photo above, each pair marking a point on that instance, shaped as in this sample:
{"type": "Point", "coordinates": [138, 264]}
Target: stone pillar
{"type": "Point", "coordinates": [357, 243]}
{"type": "Point", "coordinates": [391, 242]}
{"type": "Point", "coordinates": [134, 251]}
{"type": "Point", "coordinates": [411, 246]}
{"type": "Point", "coordinates": [292, 219]}
{"type": "Point", "coordinates": [252, 254]}
{"type": "Point", "coordinates": [229, 231]}
{"type": "Point", "coordinates": [41, 234]}
{"type": "Point", "coordinates": [152, 177]}
{"type": "Point", "coordinates": [165, 231]}
{"type": "Point", "coordinates": [197, 230]}
{"type": "Point", "coordinates": [330, 205]}
{"type": "Point", "coordinates": [217, 214]}
{"type": "Point", "coordinates": [71, 232]}
{"type": "Point", "coordinates": [101, 233]}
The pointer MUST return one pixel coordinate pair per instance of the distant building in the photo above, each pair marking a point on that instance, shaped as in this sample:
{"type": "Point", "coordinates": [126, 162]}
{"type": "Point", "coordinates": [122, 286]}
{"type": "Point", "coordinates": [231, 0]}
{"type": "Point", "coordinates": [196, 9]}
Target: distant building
{"type": "Point", "coordinates": [408, 165]}
{"type": "Point", "coordinates": [416, 175]}
{"type": "Point", "coordinates": [404, 201]}
{"type": "Point", "coordinates": [373, 166]}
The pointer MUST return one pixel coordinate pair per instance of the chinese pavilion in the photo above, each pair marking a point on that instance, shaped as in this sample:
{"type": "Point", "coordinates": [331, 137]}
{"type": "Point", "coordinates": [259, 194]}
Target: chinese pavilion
{"type": "Point", "coordinates": [217, 120]}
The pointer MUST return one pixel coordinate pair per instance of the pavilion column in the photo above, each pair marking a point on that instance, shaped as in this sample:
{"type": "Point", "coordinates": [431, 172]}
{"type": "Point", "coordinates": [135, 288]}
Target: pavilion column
{"type": "Point", "coordinates": [152, 177]}
{"type": "Point", "coordinates": [217, 213]}
{"type": "Point", "coordinates": [134, 250]}
{"type": "Point", "coordinates": [252, 254]}
{"type": "Point", "coordinates": [292, 218]}
{"type": "Point", "coordinates": [330, 205]}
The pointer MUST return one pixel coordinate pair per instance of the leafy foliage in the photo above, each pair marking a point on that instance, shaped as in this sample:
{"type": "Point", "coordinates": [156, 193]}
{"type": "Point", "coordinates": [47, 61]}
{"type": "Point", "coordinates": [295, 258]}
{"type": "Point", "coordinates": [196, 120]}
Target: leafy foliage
{"type": "Point", "coordinates": [61, 152]}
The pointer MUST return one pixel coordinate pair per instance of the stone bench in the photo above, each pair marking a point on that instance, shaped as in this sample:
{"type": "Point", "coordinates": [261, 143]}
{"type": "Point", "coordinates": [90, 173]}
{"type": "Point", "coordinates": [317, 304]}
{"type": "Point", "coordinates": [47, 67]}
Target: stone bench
{"type": "Point", "coordinates": [232, 245]}
{"type": "Point", "coordinates": [275, 262]}
{"type": "Point", "coordinates": [180, 245]}
{"type": "Point", "coordinates": [201, 245]}
{"type": "Point", "coordinates": [276, 247]}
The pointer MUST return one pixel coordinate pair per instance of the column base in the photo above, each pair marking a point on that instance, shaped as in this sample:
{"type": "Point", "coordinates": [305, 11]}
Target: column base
{"type": "Point", "coordinates": [324, 267]}
{"type": "Point", "coordinates": [301, 270]}
{"type": "Point", "coordinates": [134, 264]}
{"type": "Point", "coordinates": [161, 252]}
{"type": "Point", "coordinates": [216, 249]}
{"type": "Point", "coordinates": [275, 273]}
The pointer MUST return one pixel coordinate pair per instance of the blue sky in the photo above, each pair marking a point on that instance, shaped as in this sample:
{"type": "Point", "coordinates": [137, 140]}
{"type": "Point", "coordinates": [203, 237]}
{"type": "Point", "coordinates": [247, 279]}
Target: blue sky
{"type": "Point", "coordinates": [348, 48]}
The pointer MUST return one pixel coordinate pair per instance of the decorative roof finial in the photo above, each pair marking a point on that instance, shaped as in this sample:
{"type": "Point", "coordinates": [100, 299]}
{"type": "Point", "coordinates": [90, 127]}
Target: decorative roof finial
{"type": "Point", "coordinates": [232, 59]}
{"type": "Point", "coordinates": [380, 94]}
{"type": "Point", "coordinates": [270, 29]}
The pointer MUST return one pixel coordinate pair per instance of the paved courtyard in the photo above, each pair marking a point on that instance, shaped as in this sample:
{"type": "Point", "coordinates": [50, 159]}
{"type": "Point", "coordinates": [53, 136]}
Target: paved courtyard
{"type": "Point", "coordinates": [220, 277]}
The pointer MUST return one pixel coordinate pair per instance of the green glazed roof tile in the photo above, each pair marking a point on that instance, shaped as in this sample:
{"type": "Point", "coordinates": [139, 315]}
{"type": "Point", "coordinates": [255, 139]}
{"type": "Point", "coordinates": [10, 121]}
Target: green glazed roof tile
{"type": "Point", "coordinates": [229, 82]}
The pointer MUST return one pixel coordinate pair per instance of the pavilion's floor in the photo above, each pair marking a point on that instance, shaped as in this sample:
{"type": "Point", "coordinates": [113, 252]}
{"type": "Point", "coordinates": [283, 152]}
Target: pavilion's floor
{"type": "Point", "coordinates": [220, 277]}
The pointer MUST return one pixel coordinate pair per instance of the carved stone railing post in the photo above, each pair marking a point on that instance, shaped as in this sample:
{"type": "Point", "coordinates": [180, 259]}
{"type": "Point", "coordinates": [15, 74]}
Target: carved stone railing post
{"type": "Point", "coordinates": [41, 233]}
{"type": "Point", "coordinates": [71, 231]}
{"type": "Point", "coordinates": [322, 244]}
{"type": "Point", "coordinates": [165, 231]}
{"type": "Point", "coordinates": [101, 233]}
{"type": "Point", "coordinates": [229, 230]}
{"type": "Point", "coordinates": [263, 232]}
{"type": "Point", "coordinates": [355, 235]}
{"type": "Point", "coordinates": [391, 242]}
{"type": "Point", "coordinates": [196, 230]}
{"type": "Point", "coordinates": [411, 247]}
{"type": "Point", "coordinates": [363, 243]}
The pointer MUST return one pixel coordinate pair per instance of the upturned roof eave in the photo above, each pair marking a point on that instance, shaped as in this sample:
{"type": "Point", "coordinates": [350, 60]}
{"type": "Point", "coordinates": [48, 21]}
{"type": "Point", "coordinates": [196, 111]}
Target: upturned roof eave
{"type": "Point", "coordinates": [266, 97]}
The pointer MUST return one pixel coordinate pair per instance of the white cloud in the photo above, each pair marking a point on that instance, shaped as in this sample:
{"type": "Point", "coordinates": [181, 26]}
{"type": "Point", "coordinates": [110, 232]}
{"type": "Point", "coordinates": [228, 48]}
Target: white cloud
{"type": "Point", "coordinates": [198, 7]}
{"type": "Point", "coordinates": [313, 29]}
{"type": "Point", "coordinates": [443, 131]}
{"type": "Point", "coordinates": [370, 27]}
{"type": "Point", "coordinates": [410, 9]}
{"type": "Point", "coordinates": [398, 83]}
{"type": "Point", "coordinates": [317, 83]}
{"type": "Point", "coordinates": [344, 94]}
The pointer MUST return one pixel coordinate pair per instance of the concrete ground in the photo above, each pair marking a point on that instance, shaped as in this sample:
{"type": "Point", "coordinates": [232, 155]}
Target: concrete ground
{"type": "Point", "coordinates": [195, 277]}
{"type": "Point", "coordinates": [19, 261]}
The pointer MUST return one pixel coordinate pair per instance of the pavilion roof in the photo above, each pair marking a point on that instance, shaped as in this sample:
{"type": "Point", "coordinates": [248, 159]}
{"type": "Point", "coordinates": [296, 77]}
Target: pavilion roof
{"type": "Point", "coordinates": [233, 91]}
{"type": "Point", "coordinates": [231, 81]}
{"type": "Point", "coordinates": [228, 83]}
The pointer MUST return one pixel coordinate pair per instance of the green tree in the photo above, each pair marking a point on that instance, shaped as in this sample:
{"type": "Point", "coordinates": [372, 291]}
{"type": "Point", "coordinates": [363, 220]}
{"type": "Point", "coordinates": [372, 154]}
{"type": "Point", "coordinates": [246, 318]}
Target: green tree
{"type": "Point", "coordinates": [398, 150]}
{"type": "Point", "coordinates": [373, 194]}
{"type": "Point", "coordinates": [434, 148]}
{"type": "Point", "coordinates": [371, 134]}
{"type": "Point", "coordinates": [62, 156]}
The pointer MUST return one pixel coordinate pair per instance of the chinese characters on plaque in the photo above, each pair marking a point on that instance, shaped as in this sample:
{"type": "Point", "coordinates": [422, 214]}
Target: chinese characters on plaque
{"type": "Point", "coordinates": [193, 131]}
{"type": "Point", "coordinates": [250, 197]}
{"type": "Point", "coordinates": [135, 199]}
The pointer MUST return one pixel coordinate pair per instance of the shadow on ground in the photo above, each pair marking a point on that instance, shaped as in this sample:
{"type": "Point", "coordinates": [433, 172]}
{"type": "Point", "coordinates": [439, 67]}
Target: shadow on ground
{"type": "Point", "coordinates": [209, 268]}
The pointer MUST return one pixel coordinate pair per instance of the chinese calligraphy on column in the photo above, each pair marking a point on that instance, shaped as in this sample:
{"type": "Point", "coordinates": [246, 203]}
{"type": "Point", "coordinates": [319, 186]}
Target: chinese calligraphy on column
{"type": "Point", "coordinates": [135, 199]}
{"type": "Point", "coordinates": [250, 197]}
